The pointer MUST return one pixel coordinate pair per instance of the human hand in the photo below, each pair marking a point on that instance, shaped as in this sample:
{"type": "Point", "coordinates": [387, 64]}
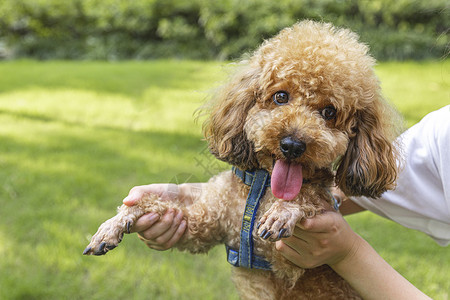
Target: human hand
{"type": "Point", "coordinates": [162, 232]}
{"type": "Point", "coordinates": [328, 239]}
{"type": "Point", "coordinates": [165, 191]}
{"type": "Point", "coordinates": [325, 239]}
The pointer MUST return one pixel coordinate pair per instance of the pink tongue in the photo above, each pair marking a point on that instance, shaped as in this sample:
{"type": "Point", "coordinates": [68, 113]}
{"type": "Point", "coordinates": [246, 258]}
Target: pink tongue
{"type": "Point", "coordinates": [286, 180]}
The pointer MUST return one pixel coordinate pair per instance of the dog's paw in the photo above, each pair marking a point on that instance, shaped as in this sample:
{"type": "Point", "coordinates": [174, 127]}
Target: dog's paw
{"type": "Point", "coordinates": [279, 221]}
{"type": "Point", "coordinates": [108, 237]}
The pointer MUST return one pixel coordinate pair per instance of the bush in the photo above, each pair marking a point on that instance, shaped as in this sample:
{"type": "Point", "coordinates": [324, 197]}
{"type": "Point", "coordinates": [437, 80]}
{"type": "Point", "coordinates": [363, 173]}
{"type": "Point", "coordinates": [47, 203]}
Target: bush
{"type": "Point", "coordinates": [143, 29]}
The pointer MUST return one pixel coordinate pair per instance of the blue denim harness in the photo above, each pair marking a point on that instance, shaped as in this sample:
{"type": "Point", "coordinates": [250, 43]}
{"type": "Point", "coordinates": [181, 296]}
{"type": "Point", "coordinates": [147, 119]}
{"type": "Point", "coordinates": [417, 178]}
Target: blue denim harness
{"type": "Point", "coordinates": [258, 181]}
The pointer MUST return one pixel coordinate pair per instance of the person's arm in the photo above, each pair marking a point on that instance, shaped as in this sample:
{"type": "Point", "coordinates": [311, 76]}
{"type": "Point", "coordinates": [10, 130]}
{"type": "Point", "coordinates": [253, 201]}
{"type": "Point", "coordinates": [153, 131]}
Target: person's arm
{"type": "Point", "coordinates": [162, 233]}
{"type": "Point", "coordinates": [369, 274]}
{"type": "Point", "coordinates": [328, 239]}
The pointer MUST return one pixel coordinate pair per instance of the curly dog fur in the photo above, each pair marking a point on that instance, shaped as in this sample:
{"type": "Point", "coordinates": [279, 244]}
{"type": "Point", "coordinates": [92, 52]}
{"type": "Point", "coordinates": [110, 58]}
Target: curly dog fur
{"type": "Point", "coordinates": [308, 103]}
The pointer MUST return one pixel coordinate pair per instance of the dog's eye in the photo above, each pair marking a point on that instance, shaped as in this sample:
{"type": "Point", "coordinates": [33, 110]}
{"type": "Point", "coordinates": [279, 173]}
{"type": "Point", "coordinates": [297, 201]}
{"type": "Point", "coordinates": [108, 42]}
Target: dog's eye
{"type": "Point", "coordinates": [281, 97]}
{"type": "Point", "coordinates": [328, 113]}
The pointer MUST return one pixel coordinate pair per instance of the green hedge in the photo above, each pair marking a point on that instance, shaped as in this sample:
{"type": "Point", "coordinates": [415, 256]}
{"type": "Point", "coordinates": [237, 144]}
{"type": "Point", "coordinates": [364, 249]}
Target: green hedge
{"type": "Point", "coordinates": [206, 29]}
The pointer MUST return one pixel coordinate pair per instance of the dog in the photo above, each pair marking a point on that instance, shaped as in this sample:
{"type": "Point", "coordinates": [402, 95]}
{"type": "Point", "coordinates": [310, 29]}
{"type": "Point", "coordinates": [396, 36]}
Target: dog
{"type": "Point", "coordinates": [300, 115]}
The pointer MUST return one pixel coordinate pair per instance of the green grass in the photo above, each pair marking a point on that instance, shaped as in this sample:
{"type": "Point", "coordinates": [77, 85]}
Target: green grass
{"type": "Point", "coordinates": [76, 136]}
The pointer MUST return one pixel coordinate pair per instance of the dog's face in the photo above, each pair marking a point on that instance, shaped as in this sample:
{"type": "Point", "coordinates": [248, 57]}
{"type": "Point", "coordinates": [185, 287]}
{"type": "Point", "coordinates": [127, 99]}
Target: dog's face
{"type": "Point", "coordinates": [306, 101]}
{"type": "Point", "coordinates": [294, 137]}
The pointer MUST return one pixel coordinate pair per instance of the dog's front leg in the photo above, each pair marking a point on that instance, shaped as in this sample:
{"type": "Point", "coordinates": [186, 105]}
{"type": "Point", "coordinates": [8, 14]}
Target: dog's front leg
{"type": "Point", "coordinates": [111, 232]}
{"type": "Point", "coordinates": [279, 221]}
{"type": "Point", "coordinates": [203, 208]}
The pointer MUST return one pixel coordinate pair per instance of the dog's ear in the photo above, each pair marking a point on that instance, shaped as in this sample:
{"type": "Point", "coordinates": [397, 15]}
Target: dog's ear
{"type": "Point", "coordinates": [369, 166]}
{"type": "Point", "coordinates": [224, 128]}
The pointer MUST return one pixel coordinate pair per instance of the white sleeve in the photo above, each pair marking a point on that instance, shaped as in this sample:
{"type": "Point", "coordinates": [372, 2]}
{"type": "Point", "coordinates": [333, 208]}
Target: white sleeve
{"type": "Point", "coordinates": [421, 200]}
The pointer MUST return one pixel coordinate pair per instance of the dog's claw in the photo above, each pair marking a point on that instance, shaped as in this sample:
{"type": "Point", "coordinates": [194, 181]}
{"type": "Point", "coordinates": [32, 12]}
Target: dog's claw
{"type": "Point", "coordinates": [102, 246]}
{"type": "Point", "coordinates": [267, 235]}
{"type": "Point", "coordinates": [129, 227]}
{"type": "Point", "coordinates": [102, 249]}
{"type": "Point", "coordinates": [87, 250]}
{"type": "Point", "coordinates": [263, 233]}
{"type": "Point", "coordinates": [282, 232]}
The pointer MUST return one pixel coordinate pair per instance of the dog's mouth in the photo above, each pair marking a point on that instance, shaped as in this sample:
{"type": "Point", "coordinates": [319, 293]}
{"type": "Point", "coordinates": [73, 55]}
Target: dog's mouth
{"type": "Point", "coordinates": [286, 179]}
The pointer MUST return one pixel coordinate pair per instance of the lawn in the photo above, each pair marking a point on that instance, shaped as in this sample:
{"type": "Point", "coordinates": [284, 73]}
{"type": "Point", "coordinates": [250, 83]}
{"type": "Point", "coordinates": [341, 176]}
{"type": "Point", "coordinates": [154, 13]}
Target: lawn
{"type": "Point", "coordinates": [76, 136]}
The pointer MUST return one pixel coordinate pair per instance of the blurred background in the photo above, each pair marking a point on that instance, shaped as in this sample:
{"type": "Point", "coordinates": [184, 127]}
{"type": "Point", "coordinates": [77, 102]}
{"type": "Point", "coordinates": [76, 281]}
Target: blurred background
{"type": "Point", "coordinates": [99, 96]}
{"type": "Point", "coordinates": [202, 29]}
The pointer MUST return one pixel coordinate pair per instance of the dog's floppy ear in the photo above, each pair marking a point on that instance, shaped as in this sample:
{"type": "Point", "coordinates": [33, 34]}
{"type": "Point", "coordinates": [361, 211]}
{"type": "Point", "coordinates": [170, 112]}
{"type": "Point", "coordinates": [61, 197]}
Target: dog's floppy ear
{"type": "Point", "coordinates": [369, 166]}
{"type": "Point", "coordinates": [224, 128]}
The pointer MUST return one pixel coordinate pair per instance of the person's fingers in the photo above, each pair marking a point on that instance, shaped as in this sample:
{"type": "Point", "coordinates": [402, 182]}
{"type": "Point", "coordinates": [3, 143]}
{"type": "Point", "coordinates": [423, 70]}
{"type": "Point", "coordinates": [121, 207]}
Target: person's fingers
{"type": "Point", "coordinates": [172, 241]}
{"type": "Point", "coordinates": [303, 253]}
{"type": "Point", "coordinates": [289, 253]}
{"type": "Point", "coordinates": [164, 238]}
{"type": "Point", "coordinates": [312, 233]}
{"type": "Point", "coordinates": [165, 191]}
{"type": "Point", "coordinates": [179, 233]}
{"type": "Point", "coordinates": [137, 192]}
{"type": "Point", "coordinates": [164, 224]}
{"type": "Point", "coordinates": [297, 242]}
{"type": "Point", "coordinates": [131, 199]}
{"type": "Point", "coordinates": [164, 234]}
{"type": "Point", "coordinates": [145, 222]}
{"type": "Point", "coordinates": [158, 228]}
{"type": "Point", "coordinates": [322, 223]}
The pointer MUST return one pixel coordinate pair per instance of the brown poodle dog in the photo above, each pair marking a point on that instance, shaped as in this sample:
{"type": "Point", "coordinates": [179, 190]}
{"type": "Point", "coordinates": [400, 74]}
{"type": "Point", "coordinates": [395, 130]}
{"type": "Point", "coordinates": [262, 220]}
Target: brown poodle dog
{"type": "Point", "coordinates": [307, 108]}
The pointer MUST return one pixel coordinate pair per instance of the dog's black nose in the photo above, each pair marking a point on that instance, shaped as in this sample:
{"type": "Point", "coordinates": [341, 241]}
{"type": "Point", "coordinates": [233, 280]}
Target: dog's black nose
{"type": "Point", "coordinates": [292, 148]}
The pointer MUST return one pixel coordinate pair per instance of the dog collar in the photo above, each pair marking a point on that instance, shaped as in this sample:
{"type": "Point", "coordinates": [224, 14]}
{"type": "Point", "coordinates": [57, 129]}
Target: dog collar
{"type": "Point", "coordinates": [247, 177]}
{"type": "Point", "coordinates": [258, 181]}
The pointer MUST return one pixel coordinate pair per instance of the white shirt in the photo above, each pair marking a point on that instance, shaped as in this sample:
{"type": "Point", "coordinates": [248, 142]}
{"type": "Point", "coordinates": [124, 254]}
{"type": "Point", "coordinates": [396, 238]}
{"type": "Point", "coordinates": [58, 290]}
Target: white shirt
{"type": "Point", "coordinates": [421, 200]}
